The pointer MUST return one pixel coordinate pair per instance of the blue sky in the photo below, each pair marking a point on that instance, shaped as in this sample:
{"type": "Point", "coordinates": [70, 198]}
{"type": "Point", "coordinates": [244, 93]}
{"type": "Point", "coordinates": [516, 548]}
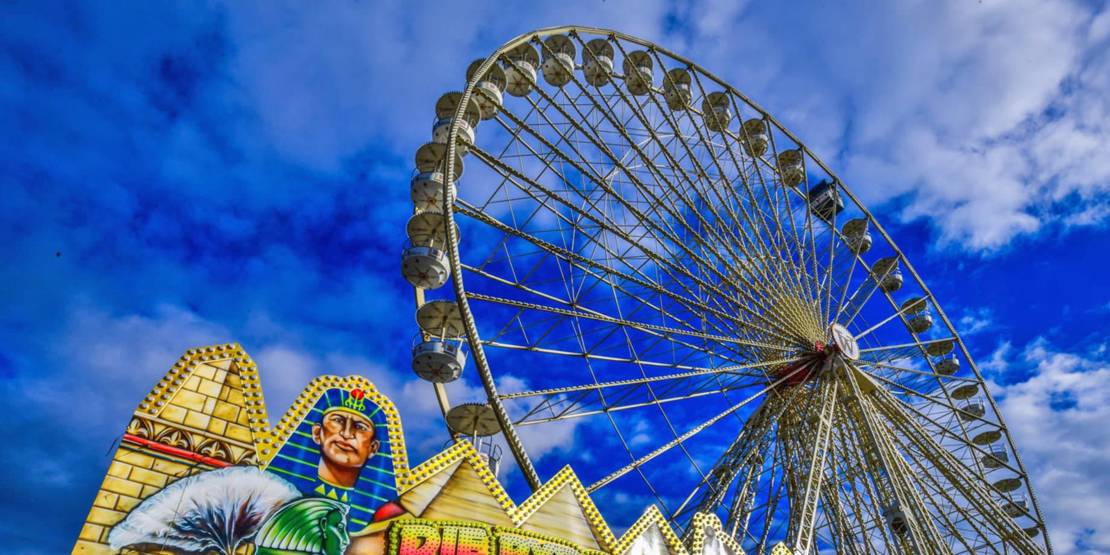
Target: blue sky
{"type": "Point", "coordinates": [177, 174]}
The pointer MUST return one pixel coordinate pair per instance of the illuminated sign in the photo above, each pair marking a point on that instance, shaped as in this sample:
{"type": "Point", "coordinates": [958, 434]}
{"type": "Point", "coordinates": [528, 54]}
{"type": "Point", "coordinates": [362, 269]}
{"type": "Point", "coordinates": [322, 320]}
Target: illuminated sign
{"type": "Point", "coordinates": [432, 537]}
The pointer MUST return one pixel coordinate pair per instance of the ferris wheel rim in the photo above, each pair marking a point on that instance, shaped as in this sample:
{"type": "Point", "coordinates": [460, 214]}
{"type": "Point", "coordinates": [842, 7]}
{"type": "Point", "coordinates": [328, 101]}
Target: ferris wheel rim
{"type": "Point", "coordinates": [462, 299]}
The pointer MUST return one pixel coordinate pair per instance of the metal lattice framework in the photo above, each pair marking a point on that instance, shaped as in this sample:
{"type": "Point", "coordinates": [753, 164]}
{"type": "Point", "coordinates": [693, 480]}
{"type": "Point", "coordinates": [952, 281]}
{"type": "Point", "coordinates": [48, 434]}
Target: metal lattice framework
{"type": "Point", "coordinates": [658, 261]}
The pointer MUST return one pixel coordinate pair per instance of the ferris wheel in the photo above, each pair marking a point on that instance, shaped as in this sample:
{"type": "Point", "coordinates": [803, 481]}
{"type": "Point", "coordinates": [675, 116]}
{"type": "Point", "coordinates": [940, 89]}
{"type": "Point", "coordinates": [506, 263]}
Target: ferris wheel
{"type": "Point", "coordinates": [641, 255]}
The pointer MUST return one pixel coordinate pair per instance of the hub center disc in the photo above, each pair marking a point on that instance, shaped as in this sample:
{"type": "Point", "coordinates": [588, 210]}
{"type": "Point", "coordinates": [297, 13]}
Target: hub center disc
{"type": "Point", "coordinates": [844, 341]}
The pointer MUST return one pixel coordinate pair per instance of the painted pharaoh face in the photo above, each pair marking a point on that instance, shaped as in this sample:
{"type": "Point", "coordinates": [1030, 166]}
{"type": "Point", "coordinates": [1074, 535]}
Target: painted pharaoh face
{"type": "Point", "coordinates": [346, 440]}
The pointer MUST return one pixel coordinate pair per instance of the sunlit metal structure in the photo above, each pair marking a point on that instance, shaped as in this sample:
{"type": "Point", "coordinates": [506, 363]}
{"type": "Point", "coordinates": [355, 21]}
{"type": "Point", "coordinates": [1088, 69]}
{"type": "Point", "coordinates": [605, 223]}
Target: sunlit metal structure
{"type": "Point", "coordinates": [651, 252]}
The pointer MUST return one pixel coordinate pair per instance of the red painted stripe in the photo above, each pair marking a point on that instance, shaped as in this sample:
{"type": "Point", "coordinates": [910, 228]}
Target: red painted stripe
{"type": "Point", "coordinates": [171, 450]}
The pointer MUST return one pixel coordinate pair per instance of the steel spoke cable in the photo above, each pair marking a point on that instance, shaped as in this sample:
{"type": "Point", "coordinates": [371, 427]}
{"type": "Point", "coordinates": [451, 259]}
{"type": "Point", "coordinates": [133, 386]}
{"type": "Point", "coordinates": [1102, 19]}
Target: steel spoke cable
{"type": "Point", "coordinates": [662, 260]}
{"type": "Point", "coordinates": [668, 236]}
{"type": "Point", "coordinates": [690, 433]}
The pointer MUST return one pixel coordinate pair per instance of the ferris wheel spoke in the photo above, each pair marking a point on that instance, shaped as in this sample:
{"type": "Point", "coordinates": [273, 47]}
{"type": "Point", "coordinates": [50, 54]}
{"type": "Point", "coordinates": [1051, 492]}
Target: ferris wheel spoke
{"type": "Point", "coordinates": [690, 433]}
{"type": "Point", "coordinates": [742, 456]}
{"type": "Point", "coordinates": [585, 313]}
{"type": "Point", "coordinates": [866, 487]}
{"type": "Point", "coordinates": [773, 247]}
{"type": "Point", "coordinates": [834, 313]}
{"type": "Point", "coordinates": [925, 382]}
{"type": "Point", "coordinates": [850, 507]}
{"type": "Point", "coordinates": [646, 282]}
{"type": "Point", "coordinates": [951, 507]}
{"type": "Point", "coordinates": [697, 170]}
{"type": "Point", "coordinates": [753, 370]}
{"type": "Point", "coordinates": [725, 228]}
{"type": "Point", "coordinates": [671, 265]}
{"type": "Point", "coordinates": [960, 439]}
{"type": "Point", "coordinates": [771, 253]}
{"type": "Point", "coordinates": [584, 405]}
{"type": "Point", "coordinates": [900, 351]}
{"type": "Point", "coordinates": [958, 476]}
{"type": "Point", "coordinates": [774, 231]}
{"type": "Point", "coordinates": [827, 283]}
{"type": "Point", "coordinates": [909, 307]}
{"type": "Point", "coordinates": [859, 298]}
{"type": "Point", "coordinates": [641, 303]}
{"type": "Point", "coordinates": [667, 235]}
{"type": "Point", "coordinates": [943, 403]}
{"type": "Point", "coordinates": [813, 463]}
{"type": "Point", "coordinates": [777, 494]}
{"type": "Point", "coordinates": [879, 448]}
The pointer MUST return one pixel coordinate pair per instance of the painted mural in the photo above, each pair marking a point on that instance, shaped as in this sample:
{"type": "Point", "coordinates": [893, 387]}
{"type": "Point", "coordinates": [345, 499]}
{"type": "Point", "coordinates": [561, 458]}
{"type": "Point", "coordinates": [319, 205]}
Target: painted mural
{"type": "Point", "coordinates": [201, 471]}
{"type": "Point", "coordinates": [342, 451]}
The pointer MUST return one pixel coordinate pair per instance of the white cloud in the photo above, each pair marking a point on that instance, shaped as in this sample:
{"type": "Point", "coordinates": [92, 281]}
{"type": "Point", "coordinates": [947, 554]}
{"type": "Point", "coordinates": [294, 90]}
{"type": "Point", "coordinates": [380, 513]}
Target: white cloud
{"type": "Point", "coordinates": [1058, 419]}
{"type": "Point", "coordinates": [962, 132]}
{"type": "Point", "coordinates": [978, 117]}
{"type": "Point", "coordinates": [940, 105]}
{"type": "Point", "coordinates": [998, 362]}
{"type": "Point", "coordinates": [975, 320]}
{"type": "Point", "coordinates": [327, 79]}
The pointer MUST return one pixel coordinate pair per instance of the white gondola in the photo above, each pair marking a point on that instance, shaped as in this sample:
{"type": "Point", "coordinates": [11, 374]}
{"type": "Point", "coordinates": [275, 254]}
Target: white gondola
{"type": "Point", "coordinates": [965, 391]}
{"type": "Point", "coordinates": [1006, 485]}
{"type": "Point", "coordinates": [888, 274]}
{"type": "Point", "coordinates": [638, 75]}
{"type": "Point", "coordinates": [948, 365]}
{"type": "Point", "coordinates": [753, 135]}
{"type": "Point", "coordinates": [430, 156]}
{"type": "Point", "coordinates": [520, 70]}
{"type": "Point", "coordinates": [895, 519]}
{"type": "Point", "coordinates": [440, 319]}
{"type": "Point", "coordinates": [1016, 507]}
{"type": "Point", "coordinates": [426, 191]}
{"type": "Point", "coordinates": [473, 419]}
{"type": "Point", "coordinates": [676, 89]}
{"type": "Point", "coordinates": [438, 360]}
{"type": "Point", "coordinates": [446, 107]}
{"type": "Point", "coordinates": [940, 348]}
{"type": "Point", "coordinates": [558, 60]}
{"type": "Point", "coordinates": [920, 323]}
{"type": "Point", "coordinates": [597, 62]}
{"type": "Point", "coordinates": [716, 111]}
{"type": "Point", "coordinates": [973, 411]}
{"type": "Point", "coordinates": [478, 422]}
{"type": "Point", "coordinates": [995, 459]}
{"type": "Point", "coordinates": [825, 201]}
{"type": "Point", "coordinates": [427, 227]}
{"type": "Point", "coordinates": [987, 437]}
{"type": "Point", "coordinates": [856, 235]}
{"type": "Point", "coordinates": [425, 266]}
{"type": "Point", "coordinates": [489, 89]}
{"type": "Point", "coordinates": [792, 167]}
{"type": "Point", "coordinates": [916, 310]}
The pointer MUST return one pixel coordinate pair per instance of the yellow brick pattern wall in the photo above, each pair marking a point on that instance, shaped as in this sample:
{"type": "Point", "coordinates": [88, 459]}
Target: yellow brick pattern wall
{"type": "Point", "coordinates": [209, 403]}
{"type": "Point", "coordinates": [133, 476]}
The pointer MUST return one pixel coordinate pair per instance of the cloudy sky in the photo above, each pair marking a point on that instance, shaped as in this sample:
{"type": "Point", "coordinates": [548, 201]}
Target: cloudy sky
{"type": "Point", "coordinates": [179, 174]}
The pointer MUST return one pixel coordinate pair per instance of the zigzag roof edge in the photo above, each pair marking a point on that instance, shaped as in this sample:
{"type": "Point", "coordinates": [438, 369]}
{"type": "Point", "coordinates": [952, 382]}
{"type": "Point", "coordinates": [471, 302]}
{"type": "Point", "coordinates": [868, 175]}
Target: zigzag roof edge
{"type": "Point", "coordinates": [651, 515]}
{"type": "Point", "coordinates": [164, 393]}
{"type": "Point", "coordinates": [700, 523]}
{"type": "Point", "coordinates": [518, 514]}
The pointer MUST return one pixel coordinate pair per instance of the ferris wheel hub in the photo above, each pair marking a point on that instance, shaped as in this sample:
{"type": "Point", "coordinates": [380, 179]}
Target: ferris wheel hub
{"type": "Point", "coordinates": [844, 342]}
